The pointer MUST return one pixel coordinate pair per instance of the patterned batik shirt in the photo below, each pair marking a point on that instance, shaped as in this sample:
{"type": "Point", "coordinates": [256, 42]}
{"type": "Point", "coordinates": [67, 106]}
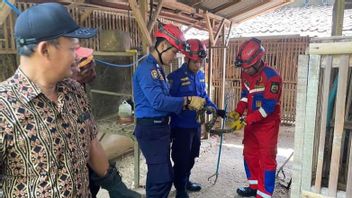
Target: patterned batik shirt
{"type": "Point", "coordinates": [44, 145]}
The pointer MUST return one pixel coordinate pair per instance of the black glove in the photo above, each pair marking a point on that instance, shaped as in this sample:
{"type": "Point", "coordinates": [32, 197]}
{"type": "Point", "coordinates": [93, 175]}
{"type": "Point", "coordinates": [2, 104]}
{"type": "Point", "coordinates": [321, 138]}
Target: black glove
{"type": "Point", "coordinates": [221, 113]}
{"type": "Point", "coordinates": [112, 182]}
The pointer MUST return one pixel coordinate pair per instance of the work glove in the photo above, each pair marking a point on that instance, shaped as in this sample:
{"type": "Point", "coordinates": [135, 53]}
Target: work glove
{"type": "Point", "coordinates": [233, 115]}
{"type": "Point", "coordinates": [112, 182]}
{"type": "Point", "coordinates": [237, 124]}
{"type": "Point", "coordinates": [195, 103]}
{"type": "Point", "coordinates": [221, 113]}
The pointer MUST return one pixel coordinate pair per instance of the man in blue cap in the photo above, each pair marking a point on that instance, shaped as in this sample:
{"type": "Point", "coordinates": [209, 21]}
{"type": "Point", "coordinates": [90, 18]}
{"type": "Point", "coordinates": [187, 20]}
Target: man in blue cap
{"type": "Point", "coordinates": [47, 130]}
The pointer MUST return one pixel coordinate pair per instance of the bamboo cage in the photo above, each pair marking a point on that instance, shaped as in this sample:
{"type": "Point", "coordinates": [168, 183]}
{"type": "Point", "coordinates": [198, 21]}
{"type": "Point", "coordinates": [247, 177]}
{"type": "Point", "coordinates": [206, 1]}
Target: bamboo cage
{"type": "Point", "coordinates": [322, 161]}
{"type": "Point", "coordinates": [281, 52]}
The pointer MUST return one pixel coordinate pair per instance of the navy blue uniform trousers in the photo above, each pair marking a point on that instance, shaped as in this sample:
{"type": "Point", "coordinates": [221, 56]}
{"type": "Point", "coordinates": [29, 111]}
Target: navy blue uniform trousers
{"type": "Point", "coordinates": [154, 141]}
{"type": "Point", "coordinates": [185, 148]}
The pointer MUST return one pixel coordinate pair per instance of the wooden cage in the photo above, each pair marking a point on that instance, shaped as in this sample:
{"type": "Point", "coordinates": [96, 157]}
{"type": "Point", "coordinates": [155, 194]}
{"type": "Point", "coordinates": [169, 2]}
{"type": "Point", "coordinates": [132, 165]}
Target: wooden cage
{"type": "Point", "coordinates": [322, 161]}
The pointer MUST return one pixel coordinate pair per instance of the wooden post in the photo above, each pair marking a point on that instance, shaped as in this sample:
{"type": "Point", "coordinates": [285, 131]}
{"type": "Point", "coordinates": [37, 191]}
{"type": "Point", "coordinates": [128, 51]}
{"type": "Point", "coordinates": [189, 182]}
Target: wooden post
{"type": "Point", "coordinates": [144, 11]}
{"type": "Point", "coordinates": [325, 96]}
{"type": "Point", "coordinates": [140, 20]}
{"type": "Point", "coordinates": [210, 29]}
{"type": "Point", "coordinates": [155, 16]}
{"type": "Point", "coordinates": [302, 81]}
{"type": "Point", "coordinates": [339, 124]}
{"type": "Point", "coordinates": [311, 109]}
{"type": "Point", "coordinates": [337, 17]}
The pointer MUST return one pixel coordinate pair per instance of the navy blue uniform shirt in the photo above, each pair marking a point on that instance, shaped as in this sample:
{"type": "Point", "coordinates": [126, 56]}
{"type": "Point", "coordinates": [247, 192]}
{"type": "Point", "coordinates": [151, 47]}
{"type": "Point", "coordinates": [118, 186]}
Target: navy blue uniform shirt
{"type": "Point", "coordinates": [151, 91]}
{"type": "Point", "coordinates": [184, 82]}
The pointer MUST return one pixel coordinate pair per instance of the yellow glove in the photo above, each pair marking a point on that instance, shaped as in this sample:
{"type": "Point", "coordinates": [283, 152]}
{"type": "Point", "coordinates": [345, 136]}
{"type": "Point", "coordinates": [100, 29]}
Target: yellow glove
{"type": "Point", "coordinates": [195, 102]}
{"type": "Point", "coordinates": [237, 124]}
{"type": "Point", "coordinates": [233, 115]}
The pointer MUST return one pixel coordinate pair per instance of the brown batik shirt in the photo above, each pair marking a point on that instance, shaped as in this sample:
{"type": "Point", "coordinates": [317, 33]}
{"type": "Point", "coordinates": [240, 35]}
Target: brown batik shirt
{"type": "Point", "coordinates": [44, 145]}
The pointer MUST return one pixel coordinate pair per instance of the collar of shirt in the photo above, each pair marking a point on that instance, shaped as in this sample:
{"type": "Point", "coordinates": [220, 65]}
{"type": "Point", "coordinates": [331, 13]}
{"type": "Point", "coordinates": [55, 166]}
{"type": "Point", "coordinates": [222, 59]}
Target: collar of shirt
{"type": "Point", "coordinates": [187, 71]}
{"type": "Point", "coordinates": [28, 89]}
{"type": "Point", "coordinates": [151, 59]}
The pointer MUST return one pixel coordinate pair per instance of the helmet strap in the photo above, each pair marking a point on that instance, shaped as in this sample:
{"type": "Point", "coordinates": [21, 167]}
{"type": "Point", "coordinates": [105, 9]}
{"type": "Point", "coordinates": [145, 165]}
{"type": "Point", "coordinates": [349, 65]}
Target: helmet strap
{"type": "Point", "coordinates": [161, 53]}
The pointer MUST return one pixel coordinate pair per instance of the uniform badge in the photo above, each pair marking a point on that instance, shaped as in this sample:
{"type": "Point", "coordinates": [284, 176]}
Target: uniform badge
{"type": "Point", "coordinates": [274, 88]}
{"type": "Point", "coordinates": [258, 103]}
{"type": "Point", "coordinates": [185, 83]}
{"type": "Point", "coordinates": [185, 78]}
{"type": "Point", "coordinates": [154, 74]}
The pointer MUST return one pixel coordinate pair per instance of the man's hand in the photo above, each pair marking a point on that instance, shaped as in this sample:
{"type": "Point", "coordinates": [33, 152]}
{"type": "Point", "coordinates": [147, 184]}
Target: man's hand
{"type": "Point", "coordinates": [195, 103]}
{"type": "Point", "coordinates": [84, 72]}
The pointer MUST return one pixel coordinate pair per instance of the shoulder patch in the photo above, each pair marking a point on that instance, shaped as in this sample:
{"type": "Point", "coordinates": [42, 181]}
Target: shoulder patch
{"type": "Point", "coordinates": [154, 74]}
{"type": "Point", "coordinates": [274, 88]}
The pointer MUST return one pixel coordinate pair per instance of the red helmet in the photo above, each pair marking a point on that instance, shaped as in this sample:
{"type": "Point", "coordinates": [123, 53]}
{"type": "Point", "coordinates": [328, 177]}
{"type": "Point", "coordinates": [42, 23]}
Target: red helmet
{"type": "Point", "coordinates": [250, 52]}
{"type": "Point", "coordinates": [197, 50]}
{"type": "Point", "coordinates": [174, 36]}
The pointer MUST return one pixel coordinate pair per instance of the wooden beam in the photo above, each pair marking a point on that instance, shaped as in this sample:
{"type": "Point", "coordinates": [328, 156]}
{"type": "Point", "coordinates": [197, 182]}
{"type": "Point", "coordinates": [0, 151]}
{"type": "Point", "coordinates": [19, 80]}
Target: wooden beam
{"type": "Point", "coordinates": [140, 21]}
{"type": "Point", "coordinates": [173, 4]}
{"type": "Point", "coordinates": [155, 16]}
{"type": "Point", "coordinates": [337, 18]}
{"type": "Point", "coordinates": [195, 2]}
{"type": "Point", "coordinates": [210, 29]}
{"type": "Point", "coordinates": [310, 119]}
{"type": "Point", "coordinates": [224, 6]}
{"type": "Point", "coordinates": [302, 81]}
{"type": "Point", "coordinates": [228, 35]}
{"type": "Point", "coordinates": [5, 10]}
{"type": "Point", "coordinates": [339, 124]}
{"type": "Point", "coordinates": [331, 48]}
{"type": "Point", "coordinates": [219, 30]}
{"type": "Point", "coordinates": [322, 134]}
{"type": "Point", "coordinates": [143, 8]}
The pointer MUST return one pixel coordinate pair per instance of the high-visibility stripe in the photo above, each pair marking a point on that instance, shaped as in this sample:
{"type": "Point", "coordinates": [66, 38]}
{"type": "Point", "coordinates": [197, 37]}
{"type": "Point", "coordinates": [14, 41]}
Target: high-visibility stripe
{"type": "Point", "coordinates": [262, 111]}
{"type": "Point", "coordinates": [246, 87]}
{"type": "Point", "coordinates": [257, 90]}
{"type": "Point", "coordinates": [253, 181]}
{"type": "Point", "coordinates": [244, 99]}
{"type": "Point", "coordinates": [262, 194]}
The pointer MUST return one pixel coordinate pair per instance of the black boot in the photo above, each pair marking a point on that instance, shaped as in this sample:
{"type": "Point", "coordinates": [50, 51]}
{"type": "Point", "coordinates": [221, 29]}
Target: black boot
{"type": "Point", "coordinates": [194, 187]}
{"type": "Point", "coordinates": [112, 182]}
{"type": "Point", "coordinates": [181, 194]}
{"type": "Point", "coordinates": [246, 192]}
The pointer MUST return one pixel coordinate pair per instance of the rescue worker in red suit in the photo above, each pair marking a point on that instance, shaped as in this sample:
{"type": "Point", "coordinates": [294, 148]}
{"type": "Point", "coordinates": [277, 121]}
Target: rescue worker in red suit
{"type": "Point", "coordinates": [260, 98]}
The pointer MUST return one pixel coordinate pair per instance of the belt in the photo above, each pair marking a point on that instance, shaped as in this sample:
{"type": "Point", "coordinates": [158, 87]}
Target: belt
{"type": "Point", "coordinates": [153, 121]}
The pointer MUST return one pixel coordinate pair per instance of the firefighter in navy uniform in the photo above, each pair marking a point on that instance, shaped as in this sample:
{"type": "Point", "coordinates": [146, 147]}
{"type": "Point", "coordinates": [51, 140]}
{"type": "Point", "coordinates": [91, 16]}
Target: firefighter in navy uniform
{"type": "Point", "coordinates": [260, 97]}
{"type": "Point", "coordinates": [153, 105]}
{"type": "Point", "coordinates": [188, 80]}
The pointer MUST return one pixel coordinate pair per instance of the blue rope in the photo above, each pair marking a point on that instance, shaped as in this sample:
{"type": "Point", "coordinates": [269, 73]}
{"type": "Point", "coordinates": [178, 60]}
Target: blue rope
{"type": "Point", "coordinates": [18, 12]}
{"type": "Point", "coordinates": [118, 65]}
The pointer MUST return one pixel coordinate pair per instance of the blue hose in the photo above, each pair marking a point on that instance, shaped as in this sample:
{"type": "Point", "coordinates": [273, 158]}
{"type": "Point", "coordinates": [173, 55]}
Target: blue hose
{"type": "Point", "coordinates": [18, 12]}
{"type": "Point", "coordinates": [117, 65]}
{"type": "Point", "coordinates": [331, 102]}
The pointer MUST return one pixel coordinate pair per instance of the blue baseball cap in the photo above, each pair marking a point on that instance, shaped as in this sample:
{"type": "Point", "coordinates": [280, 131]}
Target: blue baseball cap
{"type": "Point", "coordinates": [48, 21]}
